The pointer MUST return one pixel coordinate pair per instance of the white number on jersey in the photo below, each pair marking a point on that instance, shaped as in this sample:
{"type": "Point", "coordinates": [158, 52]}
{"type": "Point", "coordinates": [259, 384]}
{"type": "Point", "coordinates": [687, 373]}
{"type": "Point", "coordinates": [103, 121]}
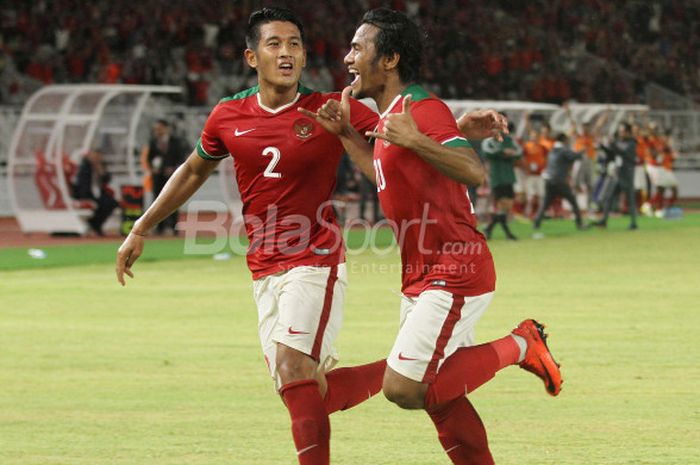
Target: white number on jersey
{"type": "Point", "coordinates": [276, 154]}
{"type": "Point", "coordinates": [471, 204]}
{"type": "Point", "coordinates": [379, 175]}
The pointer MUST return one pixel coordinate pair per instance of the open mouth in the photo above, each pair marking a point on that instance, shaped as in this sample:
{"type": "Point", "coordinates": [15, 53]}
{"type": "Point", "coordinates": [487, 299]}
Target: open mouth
{"type": "Point", "coordinates": [286, 68]}
{"type": "Point", "coordinates": [356, 77]}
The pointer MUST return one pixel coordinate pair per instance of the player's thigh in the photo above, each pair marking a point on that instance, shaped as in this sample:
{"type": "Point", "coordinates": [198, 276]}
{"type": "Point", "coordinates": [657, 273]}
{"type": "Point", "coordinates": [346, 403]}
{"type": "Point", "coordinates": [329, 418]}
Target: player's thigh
{"type": "Point", "coordinates": [302, 310]}
{"type": "Point", "coordinates": [311, 310]}
{"type": "Point", "coordinates": [437, 325]}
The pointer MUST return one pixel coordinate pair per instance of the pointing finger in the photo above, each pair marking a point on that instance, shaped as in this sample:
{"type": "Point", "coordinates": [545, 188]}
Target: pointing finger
{"type": "Point", "coordinates": [306, 112]}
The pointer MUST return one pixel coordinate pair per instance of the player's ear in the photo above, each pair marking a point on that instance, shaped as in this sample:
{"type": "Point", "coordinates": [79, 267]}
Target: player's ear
{"type": "Point", "coordinates": [250, 58]}
{"type": "Point", "coordinates": [391, 62]}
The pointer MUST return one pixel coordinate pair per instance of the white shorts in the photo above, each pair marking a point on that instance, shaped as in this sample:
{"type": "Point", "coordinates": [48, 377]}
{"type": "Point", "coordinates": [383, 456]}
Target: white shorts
{"type": "Point", "coordinates": [665, 177]}
{"type": "Point", "coordinates": [640, 178]}
{"type": "Point", "coordinates": [519, 186]}
{"type": "Point", "coordinates": [433, 326]}
{"type": "Point", "coordinates": [301, 308]}
{"type": "Point", "coordinates": [534, 186]}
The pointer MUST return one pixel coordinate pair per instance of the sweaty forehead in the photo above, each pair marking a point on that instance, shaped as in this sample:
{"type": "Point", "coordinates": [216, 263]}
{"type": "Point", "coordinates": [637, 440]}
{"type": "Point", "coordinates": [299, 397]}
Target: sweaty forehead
{"type": "Point", "coordinates": [281, 29]}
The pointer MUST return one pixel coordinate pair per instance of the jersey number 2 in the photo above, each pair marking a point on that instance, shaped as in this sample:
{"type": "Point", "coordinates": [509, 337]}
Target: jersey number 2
{"type": "Point", "coordinates": [276, 154]}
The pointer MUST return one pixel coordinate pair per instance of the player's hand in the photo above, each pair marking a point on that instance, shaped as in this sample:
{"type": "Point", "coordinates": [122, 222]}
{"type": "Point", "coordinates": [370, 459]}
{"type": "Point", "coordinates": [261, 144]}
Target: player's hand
{"type": "Point", "coordinates": [399, 128]}
{"type": "Point", "coordinates": [481, 124]}
{"type": "Point", "coordinates": [128, 253]}
{"type": "Point", "coordinates": [333, 116]}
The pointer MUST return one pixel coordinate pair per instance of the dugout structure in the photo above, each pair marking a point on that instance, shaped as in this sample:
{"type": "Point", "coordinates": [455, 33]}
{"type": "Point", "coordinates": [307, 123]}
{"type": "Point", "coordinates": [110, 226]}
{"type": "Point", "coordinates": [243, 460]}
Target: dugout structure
{"type": "Point", "coordinates": [58, 124]}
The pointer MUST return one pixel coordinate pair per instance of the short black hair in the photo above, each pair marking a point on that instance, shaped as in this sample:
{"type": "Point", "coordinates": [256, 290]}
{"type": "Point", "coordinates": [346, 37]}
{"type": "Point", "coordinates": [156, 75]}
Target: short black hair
{"type": "Point", "coordinates": [562, 137]}
{"type": "Point", "coordinates": [397, 34]}
{"type": "Point", "coordinates": [268, 15]}
{"type": "Point", "coordinates": [164, 122]}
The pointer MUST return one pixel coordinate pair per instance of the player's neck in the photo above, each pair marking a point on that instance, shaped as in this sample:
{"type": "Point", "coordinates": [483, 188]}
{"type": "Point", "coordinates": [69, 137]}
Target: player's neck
{"type": "Point", "coordinates": [389, 93]}
{"type": "Point", "coordinates": [274, 97]}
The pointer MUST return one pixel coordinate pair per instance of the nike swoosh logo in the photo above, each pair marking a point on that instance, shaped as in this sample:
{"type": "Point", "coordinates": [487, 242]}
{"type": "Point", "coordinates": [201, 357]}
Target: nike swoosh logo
{"type": "Point", "coordinates": [402, 357]}
{"type": "Point", "coordinates": [237, 133]}
{"type": "Point", "coordinates": [293, 332]}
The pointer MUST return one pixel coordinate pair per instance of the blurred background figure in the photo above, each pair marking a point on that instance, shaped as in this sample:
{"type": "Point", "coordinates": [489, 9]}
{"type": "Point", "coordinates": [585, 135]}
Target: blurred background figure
{"type": "Point", "coordinates": [534, 163]}
{"type": "Point", "coordinates": [502, 156]}
{"type": "Point", "coordinates": [586, 137]}
{"type": "Point", "coordinates": [623, 159]}
{"type": "Point", "coordinates": [160, 158]}
{"type": "Point", "coordinates": [92, 183]}
{"type": "Point", "coordinates": [559, 162]}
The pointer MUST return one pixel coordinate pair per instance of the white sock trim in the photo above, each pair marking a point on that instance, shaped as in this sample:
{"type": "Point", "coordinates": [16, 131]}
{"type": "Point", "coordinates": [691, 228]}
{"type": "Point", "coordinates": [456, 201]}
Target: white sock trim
{"type": "Point", "coordinates": [522, 343]}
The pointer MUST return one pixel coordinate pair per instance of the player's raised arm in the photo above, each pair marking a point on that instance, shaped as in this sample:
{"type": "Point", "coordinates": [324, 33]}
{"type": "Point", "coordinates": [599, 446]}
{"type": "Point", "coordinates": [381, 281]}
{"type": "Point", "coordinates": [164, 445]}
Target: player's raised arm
{"type": "Point", "coordinates": [334, 116]}
{"type": "Point", "coordinates": [459, 163]}
{"type": "Point", "coordinates": [182, 184]}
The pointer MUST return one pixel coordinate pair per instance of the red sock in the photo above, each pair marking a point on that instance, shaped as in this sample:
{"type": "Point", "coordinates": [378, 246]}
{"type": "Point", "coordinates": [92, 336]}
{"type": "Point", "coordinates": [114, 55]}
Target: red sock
{"type": "Point", "coordinates": [470, 367]}
{"type": "Point", "coordinates": [310, 426]}
{"type": "Point", "coordinates": [350, 386]}
{"type": "Point", "coordinates": [461, 433]}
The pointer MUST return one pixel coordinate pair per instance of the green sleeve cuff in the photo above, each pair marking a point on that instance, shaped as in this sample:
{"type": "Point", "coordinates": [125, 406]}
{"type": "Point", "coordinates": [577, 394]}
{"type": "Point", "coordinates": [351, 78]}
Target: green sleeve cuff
{"type": "Point", "coordinates": [457, 142]}
{"type": "Point", "coordinates": [203, 153]}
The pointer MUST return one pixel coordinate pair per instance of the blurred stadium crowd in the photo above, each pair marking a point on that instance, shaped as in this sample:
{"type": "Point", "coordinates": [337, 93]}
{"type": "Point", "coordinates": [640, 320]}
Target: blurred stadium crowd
{"type": "Point", "coordinates": [539, 50]}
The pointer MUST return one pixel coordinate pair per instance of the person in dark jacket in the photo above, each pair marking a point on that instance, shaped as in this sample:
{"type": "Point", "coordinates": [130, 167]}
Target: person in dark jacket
{"type": "Point", "coordinates": [556, 176]}
{"type": "Point", "coordinates": [622, 153]}
{"type": "Point", "coordinates": [91, 172]}
{"type": "Point", "coordinates": [163, 154]}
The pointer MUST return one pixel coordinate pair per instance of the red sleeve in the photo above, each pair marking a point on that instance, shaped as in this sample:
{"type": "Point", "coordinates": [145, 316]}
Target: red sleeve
{"type": "Point", "coordinates": [210, 146]}
{"type": "Point", "coordinates": [362, 117]}
{"type": "Point", "coordinates": [435, 120]}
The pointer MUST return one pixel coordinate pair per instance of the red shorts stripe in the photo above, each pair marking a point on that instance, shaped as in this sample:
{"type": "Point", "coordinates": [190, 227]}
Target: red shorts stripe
{"type": "Point", "coordinates": [325, 312]}
{"type": "Point", "coordinates": [445, 334]}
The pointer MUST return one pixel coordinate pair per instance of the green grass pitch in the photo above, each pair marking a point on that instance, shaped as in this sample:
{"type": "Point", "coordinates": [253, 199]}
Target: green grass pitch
{"type": "Point", "coordinates": [168, 370]}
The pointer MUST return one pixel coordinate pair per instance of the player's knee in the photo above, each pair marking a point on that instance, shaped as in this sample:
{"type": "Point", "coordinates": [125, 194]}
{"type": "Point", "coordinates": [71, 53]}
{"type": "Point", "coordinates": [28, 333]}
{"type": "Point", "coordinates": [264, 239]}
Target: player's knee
{"type": "Point", "coordinates": [295, 367]}
{"type": "Point", "coordinates": [404, 398]}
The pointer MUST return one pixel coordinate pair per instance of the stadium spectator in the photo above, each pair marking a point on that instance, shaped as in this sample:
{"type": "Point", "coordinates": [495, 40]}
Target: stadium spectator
{"type": "Point", "coordinates": [161, 157]}
{"type": "Point", "coordinates": [92, 177]}
{"type": "Point", "coordinates": [559, 162]}
{"type": "Point", "coordinates": [586, 138]}
{"type": "Point", "coordinates": [535, 161]}
{"type": "Point", "coordinates": [624, 158]}
{"type": "Point", "coordinates": [535, 55]}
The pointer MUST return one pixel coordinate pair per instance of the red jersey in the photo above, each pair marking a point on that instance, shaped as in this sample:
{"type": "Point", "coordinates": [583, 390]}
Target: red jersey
{"type": "Point", "coordinates": [286, 168]}
{"type": "Point", "coordinates": [432, 215]}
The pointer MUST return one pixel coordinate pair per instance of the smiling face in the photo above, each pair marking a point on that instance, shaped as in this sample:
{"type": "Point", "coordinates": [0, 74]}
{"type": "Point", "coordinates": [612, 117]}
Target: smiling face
{"type": "Point", "coordinates": [364, 65]}
{"type": "Point", "coordinates": [279, 56]}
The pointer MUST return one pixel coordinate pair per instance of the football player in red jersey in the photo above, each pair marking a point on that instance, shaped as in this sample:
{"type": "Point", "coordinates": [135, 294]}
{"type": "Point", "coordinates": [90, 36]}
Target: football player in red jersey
{"type": "Point", "coordinates": [286, 169]}
{"type": "Point", "coordinates": [422, 164]}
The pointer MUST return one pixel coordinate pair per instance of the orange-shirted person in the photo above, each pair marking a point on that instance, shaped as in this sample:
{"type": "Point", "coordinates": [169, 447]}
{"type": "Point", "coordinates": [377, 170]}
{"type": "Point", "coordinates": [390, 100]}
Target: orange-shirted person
{"type": "Point", "coordinates": [654, 166]}
{"type": "Point", "coordinates": [666, 179]}
{"type": "Point", "coordinates": [545, 137]}
{"type": "Point", "coordinates": [534, 163]}
{"type": "Point", "coordinates": [642, 185]}
{"type": "Point", "coordinates": [586, 137]}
